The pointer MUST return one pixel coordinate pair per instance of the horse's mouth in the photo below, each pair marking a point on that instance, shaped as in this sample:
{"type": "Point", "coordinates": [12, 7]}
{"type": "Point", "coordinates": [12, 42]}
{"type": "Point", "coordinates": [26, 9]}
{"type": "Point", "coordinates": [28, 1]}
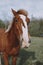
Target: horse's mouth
{"type": "Point", "coordinates": [24, 44]}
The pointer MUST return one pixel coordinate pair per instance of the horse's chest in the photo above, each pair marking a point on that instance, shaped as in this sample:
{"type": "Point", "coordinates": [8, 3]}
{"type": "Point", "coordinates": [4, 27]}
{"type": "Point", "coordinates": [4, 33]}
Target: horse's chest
{"type": "Point", "coordinates": [3, 42]}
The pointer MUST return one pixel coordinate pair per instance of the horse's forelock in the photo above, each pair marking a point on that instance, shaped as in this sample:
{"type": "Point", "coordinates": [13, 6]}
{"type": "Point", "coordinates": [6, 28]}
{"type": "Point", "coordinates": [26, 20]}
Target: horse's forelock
{"type": "Point", "coordinates": [24, 19]}
{"type": "Point", "coordinates": [24, 12]}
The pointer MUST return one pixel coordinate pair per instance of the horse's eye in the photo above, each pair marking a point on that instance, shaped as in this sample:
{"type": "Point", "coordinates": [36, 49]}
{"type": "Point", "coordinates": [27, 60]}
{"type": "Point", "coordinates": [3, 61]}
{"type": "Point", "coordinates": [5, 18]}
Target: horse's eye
{"type": "Point", "coordinates": [16, 20]}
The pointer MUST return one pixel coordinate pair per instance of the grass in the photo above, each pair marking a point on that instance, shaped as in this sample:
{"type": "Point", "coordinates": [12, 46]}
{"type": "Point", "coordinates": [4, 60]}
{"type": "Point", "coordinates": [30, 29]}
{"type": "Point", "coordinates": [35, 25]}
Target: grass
{"type": "Point", "coordinates": [32, 55]}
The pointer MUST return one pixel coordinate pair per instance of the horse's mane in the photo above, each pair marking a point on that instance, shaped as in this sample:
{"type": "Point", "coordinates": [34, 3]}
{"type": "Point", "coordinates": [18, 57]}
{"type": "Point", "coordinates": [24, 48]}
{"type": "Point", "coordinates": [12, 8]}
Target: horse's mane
{"type": "Point", "coordinates": [23, 12]}
{"type": "Point", "coordinates": [9, 27]}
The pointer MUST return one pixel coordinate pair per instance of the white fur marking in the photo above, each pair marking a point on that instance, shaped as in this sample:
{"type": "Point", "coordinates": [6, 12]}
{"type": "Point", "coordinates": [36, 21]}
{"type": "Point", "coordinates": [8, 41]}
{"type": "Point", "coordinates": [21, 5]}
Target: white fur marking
{"type": "Point", "coordinates": [25, 30]}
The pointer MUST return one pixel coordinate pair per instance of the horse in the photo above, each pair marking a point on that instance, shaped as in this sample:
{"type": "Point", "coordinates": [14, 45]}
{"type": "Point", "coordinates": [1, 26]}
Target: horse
{"type": "Point", "coordinates": [11, 38]}
{"type": "Point", "coordinates": [26, 37]}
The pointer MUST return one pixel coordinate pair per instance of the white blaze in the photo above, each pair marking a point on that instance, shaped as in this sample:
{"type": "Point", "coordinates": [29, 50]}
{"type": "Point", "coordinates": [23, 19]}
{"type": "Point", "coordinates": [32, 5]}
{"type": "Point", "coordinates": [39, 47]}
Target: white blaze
{"type": "Point", "coordinates": [25, 30]}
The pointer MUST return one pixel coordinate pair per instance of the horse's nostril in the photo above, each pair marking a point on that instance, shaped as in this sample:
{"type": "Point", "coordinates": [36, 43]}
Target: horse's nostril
{"type": "Point", "coordinates": [30, 41]}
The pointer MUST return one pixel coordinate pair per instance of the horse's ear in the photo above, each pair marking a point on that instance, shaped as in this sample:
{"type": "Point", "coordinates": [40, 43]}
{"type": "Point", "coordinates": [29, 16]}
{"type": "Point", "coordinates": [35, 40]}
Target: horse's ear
{"type": "Point", "coordinates": [14, 12]}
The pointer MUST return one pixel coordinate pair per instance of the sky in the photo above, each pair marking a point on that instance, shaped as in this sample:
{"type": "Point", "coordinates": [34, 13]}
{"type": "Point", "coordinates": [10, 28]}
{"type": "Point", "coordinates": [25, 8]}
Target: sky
{"type": "Point", "coordinates": [34, 8]}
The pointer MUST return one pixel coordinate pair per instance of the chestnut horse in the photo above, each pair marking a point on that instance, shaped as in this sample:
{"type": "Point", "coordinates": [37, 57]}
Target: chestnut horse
{"type": "Point", "coordinates": [26, 38]}
{"type": "Point", "coordinates": [11, 38]}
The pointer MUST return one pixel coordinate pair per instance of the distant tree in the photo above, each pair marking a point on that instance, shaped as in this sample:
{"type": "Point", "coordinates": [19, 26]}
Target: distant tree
{"type": "Point", "coordinates": [34, 27]}
{"type": "Point", "coordinates": [2, 25]}
{"type": "Point", "coordinates": [6, 24]}
{"type": "Point", "coordinates": [41, 26]}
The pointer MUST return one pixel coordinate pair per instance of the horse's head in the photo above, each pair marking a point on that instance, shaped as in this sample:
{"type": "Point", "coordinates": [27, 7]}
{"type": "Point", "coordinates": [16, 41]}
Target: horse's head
{"type": "Point", "coordinates": [26, 20]}
{"type": "Point", "coordinates": [19, 25]}
{"type": "Point", "coordinates": [16, 25]}
{"type": "Point", "coordinates": [17, 22]}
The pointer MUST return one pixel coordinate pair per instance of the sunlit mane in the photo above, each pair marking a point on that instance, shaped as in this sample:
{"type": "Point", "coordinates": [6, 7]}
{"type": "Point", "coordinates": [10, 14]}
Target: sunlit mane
{"type": "Point", "coordinates": [9, 27]}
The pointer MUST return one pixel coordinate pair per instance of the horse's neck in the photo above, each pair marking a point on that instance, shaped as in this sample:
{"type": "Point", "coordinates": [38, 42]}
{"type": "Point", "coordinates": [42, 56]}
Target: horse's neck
{"type": "Point", "coordinates": [12, 38]}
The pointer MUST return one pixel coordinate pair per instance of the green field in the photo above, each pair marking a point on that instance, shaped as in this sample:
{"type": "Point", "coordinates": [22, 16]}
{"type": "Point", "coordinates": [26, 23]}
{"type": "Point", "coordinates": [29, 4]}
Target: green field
{"type": "Point", "coordinates": [32, 55]}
